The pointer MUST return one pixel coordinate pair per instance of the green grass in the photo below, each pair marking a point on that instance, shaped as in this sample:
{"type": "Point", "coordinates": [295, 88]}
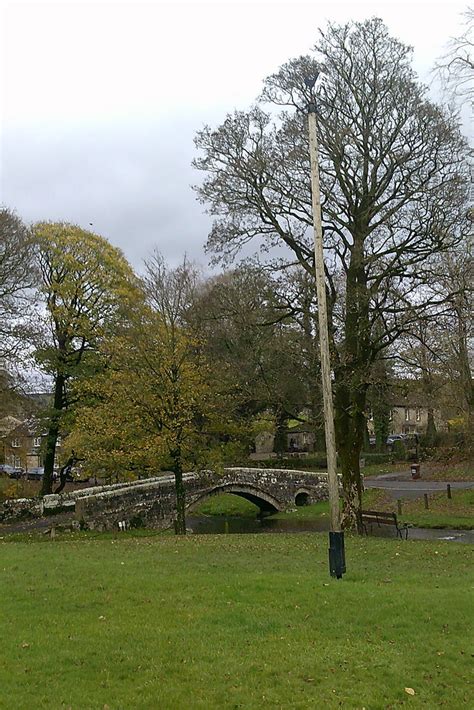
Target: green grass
{"type": "Point", "coordinates": [457, 512]}
{"type": "Point", "coordinates": [234, 622]}
{"type": "Point", "coordinates": [454, 471]}
{"type": "Point", "coordinates": [378, 469]}
{"type": "Point", "coordinates": [305, 512]}
{"type": "Point", "coordinates": [227, 504]}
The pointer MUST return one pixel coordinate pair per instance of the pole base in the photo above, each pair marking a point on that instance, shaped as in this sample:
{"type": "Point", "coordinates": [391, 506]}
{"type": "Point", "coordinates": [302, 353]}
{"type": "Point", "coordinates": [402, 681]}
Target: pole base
{"type": "Point", "coordinates": [337, 555]}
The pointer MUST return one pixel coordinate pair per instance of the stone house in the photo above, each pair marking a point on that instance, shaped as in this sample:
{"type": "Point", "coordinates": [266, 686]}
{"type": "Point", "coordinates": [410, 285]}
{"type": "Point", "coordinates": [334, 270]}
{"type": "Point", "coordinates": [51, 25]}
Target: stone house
{"type": "Point", "coordinates": [264, 442]}
{"type": "Point", "coordinates": [23, 444]}
{"type": "Point", "coordinates": [301, 438]}
{"type": "Point", "coordinates": [409, 415]}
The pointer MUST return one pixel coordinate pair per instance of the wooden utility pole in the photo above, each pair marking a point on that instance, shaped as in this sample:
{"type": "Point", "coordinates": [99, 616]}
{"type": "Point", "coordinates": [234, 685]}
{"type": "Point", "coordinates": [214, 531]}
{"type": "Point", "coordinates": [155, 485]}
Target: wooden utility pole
{"type": "Point", "coordinates": [336, 537]}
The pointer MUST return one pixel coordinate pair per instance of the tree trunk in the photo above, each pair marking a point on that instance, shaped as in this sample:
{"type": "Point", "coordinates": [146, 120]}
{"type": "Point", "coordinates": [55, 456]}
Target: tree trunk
{"type": "Point", "coordinates": [349, 458]}
{"type": "Point", "coordinates": [466, 380]}
{"type": "Point", "coordinates": [52, 436]}
{"type": "Point", "coordinates": [280, 443]}
{"type": "Point", "coordinates": [351, 379]}
{"type": "Point", "coordinates": [430, 428]}
{"type": "Point", "coordinates": [350, 425]}
{"type": "Point", "coordinates": [180, 521]}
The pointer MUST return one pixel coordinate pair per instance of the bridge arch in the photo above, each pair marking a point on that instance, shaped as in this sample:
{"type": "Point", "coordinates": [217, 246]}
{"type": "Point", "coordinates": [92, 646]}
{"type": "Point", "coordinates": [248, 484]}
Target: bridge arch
{"type": "Point", "coordinates": [302, 497]}
{"type": "Point", "coordinates": [263, 500]}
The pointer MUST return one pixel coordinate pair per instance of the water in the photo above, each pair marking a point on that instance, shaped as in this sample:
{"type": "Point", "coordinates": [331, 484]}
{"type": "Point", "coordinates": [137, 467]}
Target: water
{"type": "Point", "coordinates": [215, 525]}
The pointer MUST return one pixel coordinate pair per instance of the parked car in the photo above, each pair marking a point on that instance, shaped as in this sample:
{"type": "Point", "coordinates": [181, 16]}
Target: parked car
{"type": "Point", "coordinates": [17, 473]}
{"type": "Point", "coordinates": [35, 474]}
{"type": "Point", "coordinates": [11, 471]}
{"type": "Point", "coordinates": [6, 469]}
{"type": "Point", "coordinates": [395, 437]}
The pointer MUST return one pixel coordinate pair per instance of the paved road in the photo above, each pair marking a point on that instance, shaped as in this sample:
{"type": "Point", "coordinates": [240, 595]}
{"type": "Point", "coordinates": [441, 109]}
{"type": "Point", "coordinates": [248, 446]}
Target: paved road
{"type": "Point", "coordinates": [414, 488]}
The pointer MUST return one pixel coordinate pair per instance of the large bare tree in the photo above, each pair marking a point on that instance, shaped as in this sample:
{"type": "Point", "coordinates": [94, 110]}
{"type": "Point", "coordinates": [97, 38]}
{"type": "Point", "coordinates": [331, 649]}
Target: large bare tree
{"type": "Point", "coordinates": [393, 180]}
{"type": "Point", "coordinates": [17, 279]}
{"type": "Point", "coordinates": [455, 69]}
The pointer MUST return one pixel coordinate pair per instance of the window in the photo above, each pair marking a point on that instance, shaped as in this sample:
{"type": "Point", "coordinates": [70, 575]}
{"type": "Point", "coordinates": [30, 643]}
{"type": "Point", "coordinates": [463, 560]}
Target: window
{"type": "Point", "coordinates": [15, 443]}
{"type": "Point", "coordinates": [390, 415]}
{"type": "Point", "coordinates": [37, 441]}
{"type": "Point", "coordinates": [407, 414]}
{"type": "Point", "coordinates": [418, 417]}
{"type": "Point", "coordinates": [371, 416]}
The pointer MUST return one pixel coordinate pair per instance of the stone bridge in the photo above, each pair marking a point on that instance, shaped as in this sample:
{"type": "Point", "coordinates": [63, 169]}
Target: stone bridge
{"type": "Point", "coordinates": [151, 502]}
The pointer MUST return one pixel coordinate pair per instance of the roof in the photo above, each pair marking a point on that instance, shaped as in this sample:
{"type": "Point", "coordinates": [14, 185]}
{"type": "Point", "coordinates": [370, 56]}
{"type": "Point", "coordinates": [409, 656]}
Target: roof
{"type": "Point", "coordinates": [8, 424]}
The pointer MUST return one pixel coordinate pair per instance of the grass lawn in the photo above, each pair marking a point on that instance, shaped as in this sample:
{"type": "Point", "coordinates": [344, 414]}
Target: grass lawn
{"type": "Point", "coordinates": [234, 621]}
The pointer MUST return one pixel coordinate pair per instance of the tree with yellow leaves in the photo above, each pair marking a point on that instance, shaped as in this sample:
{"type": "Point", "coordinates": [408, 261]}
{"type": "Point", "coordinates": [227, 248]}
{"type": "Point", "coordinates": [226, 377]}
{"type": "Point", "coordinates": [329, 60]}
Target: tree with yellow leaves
{"type": "Point", "coordinates": [86, 285]}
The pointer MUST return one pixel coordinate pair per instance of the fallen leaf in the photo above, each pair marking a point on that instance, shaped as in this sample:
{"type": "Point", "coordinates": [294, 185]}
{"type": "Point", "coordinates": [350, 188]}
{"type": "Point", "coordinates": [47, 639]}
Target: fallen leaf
{"type": "Point", "coordinates": [410, 691]}
{"type": "Point", "coordinates": [25, 645]}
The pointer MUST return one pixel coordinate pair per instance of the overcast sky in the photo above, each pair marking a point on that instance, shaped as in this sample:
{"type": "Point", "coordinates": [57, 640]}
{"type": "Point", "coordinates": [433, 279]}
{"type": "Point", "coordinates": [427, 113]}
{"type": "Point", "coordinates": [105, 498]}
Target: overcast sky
{"type": "Point", "coordinates": [100, 101]}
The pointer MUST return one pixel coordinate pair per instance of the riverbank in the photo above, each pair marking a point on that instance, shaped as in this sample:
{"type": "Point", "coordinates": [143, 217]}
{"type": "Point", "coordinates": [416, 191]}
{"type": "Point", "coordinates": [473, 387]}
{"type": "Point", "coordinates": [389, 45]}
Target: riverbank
{"type": "Point", "coordinates": [234, 621]}
{"type": "Point", "coordinates": [443, 512]}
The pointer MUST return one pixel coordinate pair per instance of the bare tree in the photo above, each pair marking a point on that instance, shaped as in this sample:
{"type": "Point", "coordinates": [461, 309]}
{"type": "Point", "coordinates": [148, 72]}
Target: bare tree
{"type": "Point", "coordinates": [170, 293]}
{"type": "Point", "coordinates": [393, 180]}
{"type": "Point", "coordinates": [455, 69]}
{"type": "Point", "coordinates": [438, 349]}
{"type": "Point", "coordinates": [456, 279]}
{"type": "Point", "coordinates": [16, 282]}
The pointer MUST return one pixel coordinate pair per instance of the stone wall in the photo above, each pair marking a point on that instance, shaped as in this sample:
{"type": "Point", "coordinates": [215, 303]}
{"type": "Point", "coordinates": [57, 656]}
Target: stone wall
{"type": "Point", "coordinates": [20, 509]}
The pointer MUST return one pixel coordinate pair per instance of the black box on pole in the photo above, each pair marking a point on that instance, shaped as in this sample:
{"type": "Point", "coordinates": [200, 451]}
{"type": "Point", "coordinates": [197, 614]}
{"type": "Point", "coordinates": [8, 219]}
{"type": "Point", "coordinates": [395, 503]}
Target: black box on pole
{"type": "Point", "coordinates": [337, 555]}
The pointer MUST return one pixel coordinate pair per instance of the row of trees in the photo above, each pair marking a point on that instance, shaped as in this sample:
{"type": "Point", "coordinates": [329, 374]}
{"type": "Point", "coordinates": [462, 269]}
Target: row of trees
{"type": "Point", "coordinates": [165, 370]}
{"type": "Point", "coordinates": [168, 369]}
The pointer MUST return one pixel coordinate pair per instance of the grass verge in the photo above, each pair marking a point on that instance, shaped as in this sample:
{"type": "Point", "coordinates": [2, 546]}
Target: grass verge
{"type": "Point", "coordinates": [234, 622]}
{"type": "Point", "coordinates": [456, 513]}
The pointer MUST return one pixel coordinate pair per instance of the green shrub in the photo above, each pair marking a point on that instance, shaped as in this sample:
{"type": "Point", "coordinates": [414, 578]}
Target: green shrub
{"type": "Point", "coordinates": [399, 452]}
{"type": "Point", "coordinates": [374, 457]}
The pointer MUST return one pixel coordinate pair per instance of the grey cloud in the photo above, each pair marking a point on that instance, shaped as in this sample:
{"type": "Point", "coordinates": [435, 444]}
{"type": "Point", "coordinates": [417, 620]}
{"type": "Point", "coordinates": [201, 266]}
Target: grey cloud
{"type": "Point", "coordinates": [130, 179]}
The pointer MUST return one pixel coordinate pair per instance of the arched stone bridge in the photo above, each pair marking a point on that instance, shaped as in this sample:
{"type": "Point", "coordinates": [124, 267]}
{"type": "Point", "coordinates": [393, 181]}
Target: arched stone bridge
{"type": "Point", "coordinates": [151, 502]}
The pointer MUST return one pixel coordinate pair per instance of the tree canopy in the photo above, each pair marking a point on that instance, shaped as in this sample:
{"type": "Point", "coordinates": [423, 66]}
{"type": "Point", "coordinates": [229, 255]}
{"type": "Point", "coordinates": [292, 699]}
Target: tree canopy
{"type": "Point", "coordinates": [86, 283]}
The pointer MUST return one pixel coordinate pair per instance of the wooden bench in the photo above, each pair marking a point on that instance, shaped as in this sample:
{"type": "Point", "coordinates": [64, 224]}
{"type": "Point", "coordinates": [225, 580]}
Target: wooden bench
{"type": "Point", "coordinates": [375, 517]}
